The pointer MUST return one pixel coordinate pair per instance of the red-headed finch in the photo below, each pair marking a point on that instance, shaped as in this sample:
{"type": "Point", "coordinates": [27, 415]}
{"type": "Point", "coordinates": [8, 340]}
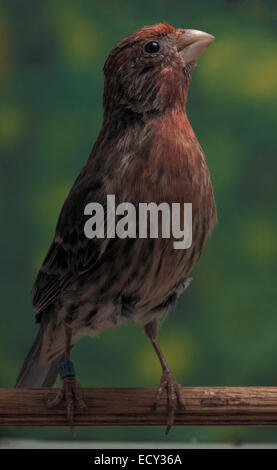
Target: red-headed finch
{"type": "Point", "coordinates": [146, 152]}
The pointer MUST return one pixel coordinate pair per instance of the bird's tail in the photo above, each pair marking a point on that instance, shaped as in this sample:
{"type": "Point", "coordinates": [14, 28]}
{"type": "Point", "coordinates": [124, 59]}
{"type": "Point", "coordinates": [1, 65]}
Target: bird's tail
{"type": "Point", "coordinates": [33, 374]}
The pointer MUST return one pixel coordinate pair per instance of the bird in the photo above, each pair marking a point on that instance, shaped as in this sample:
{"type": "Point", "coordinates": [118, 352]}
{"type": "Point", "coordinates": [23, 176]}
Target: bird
{"type": "Point", "coordinates": [146, 151]}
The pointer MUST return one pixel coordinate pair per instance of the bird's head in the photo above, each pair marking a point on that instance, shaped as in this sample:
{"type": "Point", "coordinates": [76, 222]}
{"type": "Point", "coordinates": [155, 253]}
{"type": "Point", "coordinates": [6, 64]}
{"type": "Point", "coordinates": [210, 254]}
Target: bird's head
{"type": "Point", "coordinates": [150, 70]}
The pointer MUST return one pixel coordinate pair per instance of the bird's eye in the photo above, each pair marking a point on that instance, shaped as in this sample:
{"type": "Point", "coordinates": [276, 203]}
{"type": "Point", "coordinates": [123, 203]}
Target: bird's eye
{"type": "Point", "coordinates": [152, 47]}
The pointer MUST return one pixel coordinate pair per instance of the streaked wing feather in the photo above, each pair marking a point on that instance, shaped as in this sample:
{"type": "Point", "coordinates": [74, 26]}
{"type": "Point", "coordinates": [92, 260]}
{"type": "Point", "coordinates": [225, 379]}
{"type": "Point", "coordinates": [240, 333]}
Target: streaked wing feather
{"type": "Point", "coordinates": [70, 253]}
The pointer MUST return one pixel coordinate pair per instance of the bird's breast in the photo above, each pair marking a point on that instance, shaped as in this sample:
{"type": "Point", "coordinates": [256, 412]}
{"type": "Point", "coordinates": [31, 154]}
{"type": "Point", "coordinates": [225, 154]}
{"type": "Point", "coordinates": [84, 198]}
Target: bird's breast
{"type": "Point", "coordinates": [162, 163]}
{"type": "Point", "coordinates": [168, 167]}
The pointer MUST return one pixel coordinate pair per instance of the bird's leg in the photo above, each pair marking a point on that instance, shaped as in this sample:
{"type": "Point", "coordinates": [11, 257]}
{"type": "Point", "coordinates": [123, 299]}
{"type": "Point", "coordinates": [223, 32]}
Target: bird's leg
{"type": "Point", "coordinates": [167, 383]}
{"type": "Point", "coordinates": [70, 390]}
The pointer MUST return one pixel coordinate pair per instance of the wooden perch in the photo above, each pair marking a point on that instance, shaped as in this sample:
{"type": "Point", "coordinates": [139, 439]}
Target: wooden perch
{"type": "Point", "coordinates": [213, 406]}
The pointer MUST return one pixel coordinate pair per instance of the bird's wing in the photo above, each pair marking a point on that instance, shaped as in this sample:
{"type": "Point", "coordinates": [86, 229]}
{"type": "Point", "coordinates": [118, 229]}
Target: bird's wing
{"type": "Point", "coordinates": [71, 252]}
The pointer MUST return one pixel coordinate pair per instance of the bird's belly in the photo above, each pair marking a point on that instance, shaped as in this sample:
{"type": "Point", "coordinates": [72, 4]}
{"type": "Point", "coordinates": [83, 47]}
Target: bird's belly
{"type": "Point", "coordinates": [135, 277]}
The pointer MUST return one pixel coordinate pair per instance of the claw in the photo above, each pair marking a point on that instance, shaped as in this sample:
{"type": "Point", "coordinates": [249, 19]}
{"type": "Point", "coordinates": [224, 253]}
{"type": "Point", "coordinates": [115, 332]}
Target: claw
{"type": "Point", "coordinates": [69, 394]}
{"type": "Point", "coordinates": [174, 397]}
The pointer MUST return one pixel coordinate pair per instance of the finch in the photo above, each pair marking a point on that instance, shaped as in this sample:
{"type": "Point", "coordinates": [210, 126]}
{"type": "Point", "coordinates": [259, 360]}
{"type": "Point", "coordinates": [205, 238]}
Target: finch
{"type": "Point", "coordinates": [146, 151]}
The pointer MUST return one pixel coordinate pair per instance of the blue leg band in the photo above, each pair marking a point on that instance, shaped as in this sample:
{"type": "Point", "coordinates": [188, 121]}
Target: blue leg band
{"type": "Point", "coordinates": [66, 369]}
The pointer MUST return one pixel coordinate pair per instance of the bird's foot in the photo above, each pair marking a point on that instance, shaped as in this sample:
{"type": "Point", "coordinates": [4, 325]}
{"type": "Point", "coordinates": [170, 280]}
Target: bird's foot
{"type": "Point", "coordinates": [70, 395]}
{"type": "Point", "coordinates": [174, 397]}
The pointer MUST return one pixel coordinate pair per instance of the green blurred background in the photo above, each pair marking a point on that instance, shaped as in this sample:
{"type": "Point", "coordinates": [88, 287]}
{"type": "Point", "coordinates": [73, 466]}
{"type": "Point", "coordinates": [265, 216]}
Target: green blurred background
{"type": "Point", "coordinates": [223, 331]}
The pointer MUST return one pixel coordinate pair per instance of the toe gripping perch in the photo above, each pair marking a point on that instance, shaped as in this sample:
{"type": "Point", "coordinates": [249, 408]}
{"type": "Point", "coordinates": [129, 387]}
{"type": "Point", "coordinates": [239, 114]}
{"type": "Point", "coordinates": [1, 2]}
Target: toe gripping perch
{"type": "Point", "coordinates": [66, 369]}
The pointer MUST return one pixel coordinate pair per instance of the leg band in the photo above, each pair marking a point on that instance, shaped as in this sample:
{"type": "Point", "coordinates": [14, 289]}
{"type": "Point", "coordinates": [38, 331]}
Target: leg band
{"type": "Point", "coordinates": [66, 369]}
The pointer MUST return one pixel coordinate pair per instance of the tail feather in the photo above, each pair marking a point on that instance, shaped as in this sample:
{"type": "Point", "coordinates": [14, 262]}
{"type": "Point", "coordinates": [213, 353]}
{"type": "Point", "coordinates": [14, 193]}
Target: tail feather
{"type": "Point", "coordinates": [33, 374]}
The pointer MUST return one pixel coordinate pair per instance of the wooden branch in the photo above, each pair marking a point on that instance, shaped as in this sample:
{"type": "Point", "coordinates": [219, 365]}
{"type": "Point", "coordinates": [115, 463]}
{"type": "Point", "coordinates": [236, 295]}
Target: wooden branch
{"type": "Point", "coordinates": [228, 406]}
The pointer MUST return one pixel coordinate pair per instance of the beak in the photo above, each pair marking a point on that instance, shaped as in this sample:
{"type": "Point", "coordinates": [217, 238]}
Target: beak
{"type": "Point", "coordinates": [192, 43]}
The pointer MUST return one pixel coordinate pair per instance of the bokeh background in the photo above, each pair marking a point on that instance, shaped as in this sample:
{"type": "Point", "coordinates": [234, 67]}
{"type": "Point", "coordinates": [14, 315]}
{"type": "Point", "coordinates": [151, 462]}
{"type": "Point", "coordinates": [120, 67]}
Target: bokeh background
{"type": "Point", "coordinates": [223, 330]}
